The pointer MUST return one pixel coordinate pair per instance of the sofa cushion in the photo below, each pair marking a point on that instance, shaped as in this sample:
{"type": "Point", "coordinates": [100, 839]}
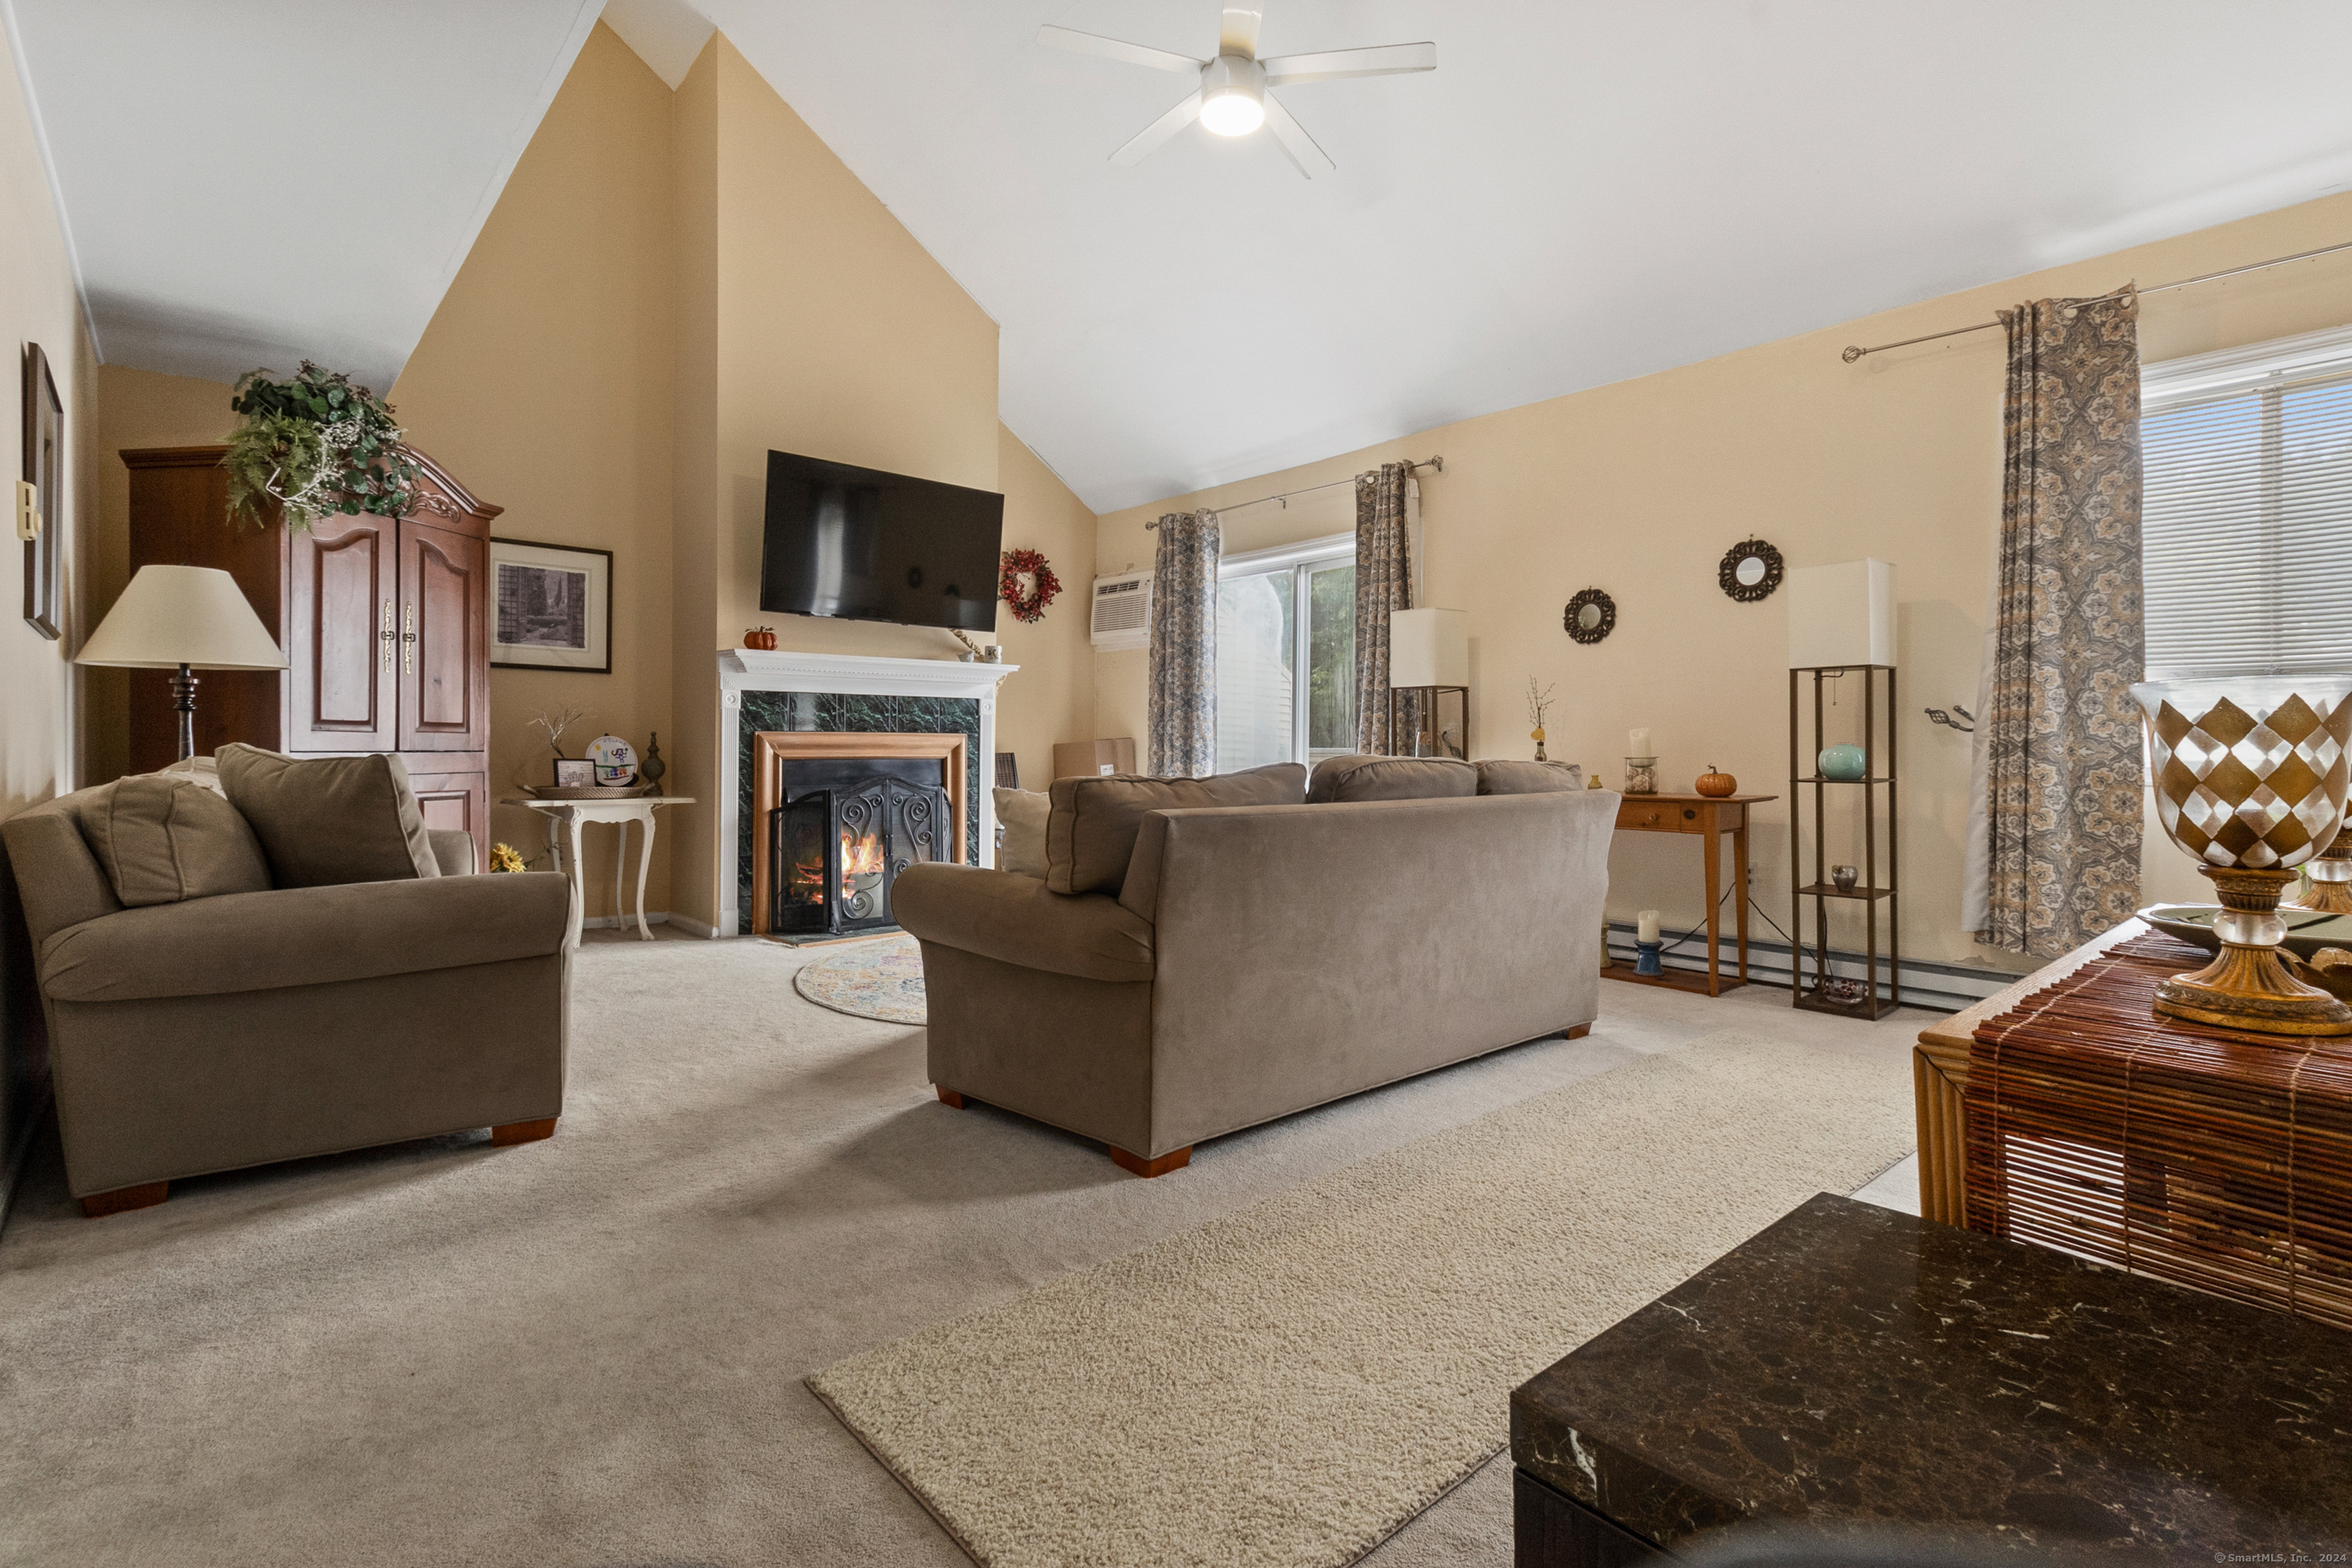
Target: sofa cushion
{"type": "Point", "coordinates": [161, 840]}
{"type": "Point", "coordinates": [1023, 813]}
{"type": "Point", "coordinates": [1505, 776]}
{"type": "Point", "coordinates": [307, 936]}
{"type": "Point", "coordinates": [325, 821]}
{"type": "Point", "coordinates": [1016, 919]}
{"type": "Point", "coordinates": [1090, 831]}
{"type": "Point", "coordinates": [1390, 778]}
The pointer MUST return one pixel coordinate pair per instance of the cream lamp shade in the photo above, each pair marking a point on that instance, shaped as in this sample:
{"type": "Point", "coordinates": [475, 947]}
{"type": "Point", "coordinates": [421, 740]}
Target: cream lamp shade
{"type": "Point", "coordinates": [1429, 647]}
{"type": "Point", "coordinates": [1841, 616]}
{"type": "Point", "coordinates": [174, 615]}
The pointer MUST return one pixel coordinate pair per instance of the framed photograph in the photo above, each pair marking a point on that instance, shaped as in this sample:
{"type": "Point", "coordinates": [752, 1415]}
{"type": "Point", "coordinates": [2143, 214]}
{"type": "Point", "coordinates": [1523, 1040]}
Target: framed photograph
{"type": "Point", "coordinates": [551, 607]}
{"type": "Point", "coordinates": [45, 445]}
{"type": "Point", "coordinates": [574, 773]}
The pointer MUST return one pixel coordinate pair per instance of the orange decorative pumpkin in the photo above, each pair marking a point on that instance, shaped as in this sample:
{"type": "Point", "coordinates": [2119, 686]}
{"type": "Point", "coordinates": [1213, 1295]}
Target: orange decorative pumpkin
{"type": "Point", "coordinates": [1712, 782]}
{"type": "Point", "coordinates": [763, 638]}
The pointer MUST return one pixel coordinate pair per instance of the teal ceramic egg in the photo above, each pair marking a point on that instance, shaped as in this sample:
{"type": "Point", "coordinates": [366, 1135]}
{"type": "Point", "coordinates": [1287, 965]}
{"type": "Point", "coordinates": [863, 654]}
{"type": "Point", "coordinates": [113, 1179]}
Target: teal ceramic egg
{"type": "Point", "coordinates": [1841, 762]}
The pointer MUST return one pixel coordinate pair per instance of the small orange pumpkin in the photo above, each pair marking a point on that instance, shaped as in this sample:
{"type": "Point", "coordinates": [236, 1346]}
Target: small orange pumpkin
{"type": "Point", "coordinates": [763, 638]}
{"type": "Point", "coordinates": [1712, 782]}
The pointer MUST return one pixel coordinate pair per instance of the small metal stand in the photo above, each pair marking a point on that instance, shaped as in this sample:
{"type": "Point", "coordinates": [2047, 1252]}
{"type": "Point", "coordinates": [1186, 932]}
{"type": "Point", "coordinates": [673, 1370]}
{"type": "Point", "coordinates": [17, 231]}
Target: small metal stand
{"type": "Point", "coordinates": [1818, 991]}
{"type": "Point", "coordinates": [1431, 730]}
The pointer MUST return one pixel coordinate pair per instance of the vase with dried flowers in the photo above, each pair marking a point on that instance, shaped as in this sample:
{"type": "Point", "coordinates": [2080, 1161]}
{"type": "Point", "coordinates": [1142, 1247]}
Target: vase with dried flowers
{"type": "Point", "coordinates": [1539, 704]}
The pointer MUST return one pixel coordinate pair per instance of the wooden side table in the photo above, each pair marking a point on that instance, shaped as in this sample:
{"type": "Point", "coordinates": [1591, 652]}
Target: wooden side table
{"type": "Point", "coordinates": [1709, 817]}
{"type": "Point", "coordinates": [1939, 1080]}
{"type": "Point", "coordinates": [565, 819]}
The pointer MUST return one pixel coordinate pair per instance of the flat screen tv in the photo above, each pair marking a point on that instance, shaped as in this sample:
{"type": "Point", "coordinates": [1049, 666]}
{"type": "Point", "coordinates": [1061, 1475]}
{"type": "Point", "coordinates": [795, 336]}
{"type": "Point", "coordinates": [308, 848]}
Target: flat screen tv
{"type": "Point", "coordinates": [862, 545]}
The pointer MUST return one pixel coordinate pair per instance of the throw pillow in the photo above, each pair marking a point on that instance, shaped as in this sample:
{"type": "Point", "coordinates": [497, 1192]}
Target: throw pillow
{"type": "Point", "coordinates": [163, 839]}
{"type": "Point", "coordinates": [1021, 814]}
{"type": "Point", "coordinates": [1390, 778]}
{"type": "Point", "coordinates": [325, 821]}
{"type": "Point", "coordinates": [1091, 830]}
{"type": "Point", "coordinates": [1505, 776]}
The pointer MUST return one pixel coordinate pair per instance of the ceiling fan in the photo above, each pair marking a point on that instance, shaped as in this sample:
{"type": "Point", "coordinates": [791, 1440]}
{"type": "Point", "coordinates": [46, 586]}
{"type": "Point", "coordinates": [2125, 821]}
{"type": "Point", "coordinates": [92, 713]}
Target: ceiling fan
{"type": "Point", "coordinates": [1232, 99]}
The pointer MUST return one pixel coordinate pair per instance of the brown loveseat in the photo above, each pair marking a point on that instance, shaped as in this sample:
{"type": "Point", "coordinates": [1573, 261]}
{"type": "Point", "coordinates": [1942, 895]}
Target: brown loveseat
{"type": "Point", "coordinates": [212, 1030]}
{"type": "Point", "coordinates": [1245, 962]}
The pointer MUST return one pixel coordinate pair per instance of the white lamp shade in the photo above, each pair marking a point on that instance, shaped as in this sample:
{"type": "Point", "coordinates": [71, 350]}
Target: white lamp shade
{"type": "Point", "coordinates": [1429, 647]}
{"type": "Point", "coordinates": [1841, 616]}
{"type": "Point", "coordinates": [172, 615]}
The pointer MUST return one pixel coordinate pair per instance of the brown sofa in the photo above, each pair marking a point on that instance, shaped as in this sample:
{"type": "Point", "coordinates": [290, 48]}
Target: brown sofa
{"type": "Point", "coordinates": [1258, 960]}
{"type": "Point", "coordinates": [216, 1032]}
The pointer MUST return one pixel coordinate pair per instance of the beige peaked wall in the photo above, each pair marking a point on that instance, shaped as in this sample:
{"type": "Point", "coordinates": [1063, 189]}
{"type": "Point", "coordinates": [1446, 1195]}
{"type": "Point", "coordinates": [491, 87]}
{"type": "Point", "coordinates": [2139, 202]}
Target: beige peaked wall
{"type": "Point", "coordinates": [575, 375]}
{"type": "Point", "coordinates": [1639, 489]}
{"type": "Point", "coordinates": [543, 382]}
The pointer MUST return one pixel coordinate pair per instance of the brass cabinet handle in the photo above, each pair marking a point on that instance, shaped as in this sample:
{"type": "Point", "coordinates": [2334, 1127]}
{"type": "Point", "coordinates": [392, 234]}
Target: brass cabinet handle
{"type": "Point", "coordinates": [408, 640]}
{"type": "Point", "coordinates": [387, 637]}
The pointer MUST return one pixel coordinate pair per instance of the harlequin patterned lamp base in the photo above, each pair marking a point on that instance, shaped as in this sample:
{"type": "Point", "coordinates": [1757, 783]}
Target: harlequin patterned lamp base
{"type": "Point", "coordinates": [2248, 987]}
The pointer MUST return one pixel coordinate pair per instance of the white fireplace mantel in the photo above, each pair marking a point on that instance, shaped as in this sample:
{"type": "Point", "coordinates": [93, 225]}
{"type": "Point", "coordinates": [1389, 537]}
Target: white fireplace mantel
{"type": "Point", "coordinates": [742, 670]}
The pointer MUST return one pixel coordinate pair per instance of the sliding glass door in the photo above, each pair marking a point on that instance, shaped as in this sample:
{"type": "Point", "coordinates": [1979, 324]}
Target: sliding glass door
{"type": "Point", "coordinates": [1287, 656]}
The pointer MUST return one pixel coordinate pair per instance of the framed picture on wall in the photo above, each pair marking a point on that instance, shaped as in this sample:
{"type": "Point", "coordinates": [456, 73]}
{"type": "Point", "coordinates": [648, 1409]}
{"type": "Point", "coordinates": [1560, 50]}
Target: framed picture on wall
{"type": "Point", "coordinates": [551, 607]}
{"type": "Point", "coordinates": [38, 512]}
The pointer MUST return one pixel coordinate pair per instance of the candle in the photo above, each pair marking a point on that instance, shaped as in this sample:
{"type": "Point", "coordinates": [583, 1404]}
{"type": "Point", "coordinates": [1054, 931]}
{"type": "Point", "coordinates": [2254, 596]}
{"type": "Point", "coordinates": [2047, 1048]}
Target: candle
{"type": "Point", "coordinates": [1640, 746]}
{"type": "Point", "coordinates": [1648, 918]}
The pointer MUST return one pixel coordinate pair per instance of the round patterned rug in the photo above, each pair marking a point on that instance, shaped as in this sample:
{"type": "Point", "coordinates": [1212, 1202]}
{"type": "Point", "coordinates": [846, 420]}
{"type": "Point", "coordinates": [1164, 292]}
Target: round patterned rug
{"type": "Point", "coordinates": [880, 980]}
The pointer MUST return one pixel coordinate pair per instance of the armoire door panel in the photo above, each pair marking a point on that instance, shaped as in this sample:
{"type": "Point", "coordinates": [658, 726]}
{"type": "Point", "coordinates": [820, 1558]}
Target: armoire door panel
{"type": "Point", "coordinates": [444, 654]}
{"type": "Point", "coordinates": [344, 586]}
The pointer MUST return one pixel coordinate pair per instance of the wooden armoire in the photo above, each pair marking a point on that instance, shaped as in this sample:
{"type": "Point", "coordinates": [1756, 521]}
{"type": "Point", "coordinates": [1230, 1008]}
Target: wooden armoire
{"type": "Point", "coordinates": [384, 621]}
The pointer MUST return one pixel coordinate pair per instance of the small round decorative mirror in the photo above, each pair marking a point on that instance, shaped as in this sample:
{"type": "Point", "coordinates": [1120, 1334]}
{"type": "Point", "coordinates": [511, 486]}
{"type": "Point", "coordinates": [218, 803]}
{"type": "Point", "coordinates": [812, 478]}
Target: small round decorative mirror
{"type": "Point", "coordinates": [1750, 570]}
{"type": "Point", "coordinates": [1592, 615]}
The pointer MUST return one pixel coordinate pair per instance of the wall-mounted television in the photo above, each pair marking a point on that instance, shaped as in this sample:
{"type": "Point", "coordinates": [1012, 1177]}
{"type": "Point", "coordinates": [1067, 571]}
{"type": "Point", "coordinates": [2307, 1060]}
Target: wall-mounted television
{"type": "Point", "coordinates": [862, 545]}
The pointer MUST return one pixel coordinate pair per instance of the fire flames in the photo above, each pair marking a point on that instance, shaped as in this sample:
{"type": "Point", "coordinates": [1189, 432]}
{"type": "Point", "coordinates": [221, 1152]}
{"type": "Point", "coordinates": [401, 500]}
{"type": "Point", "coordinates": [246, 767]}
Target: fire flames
{"type": "Point", "coordinates": [860, 856]}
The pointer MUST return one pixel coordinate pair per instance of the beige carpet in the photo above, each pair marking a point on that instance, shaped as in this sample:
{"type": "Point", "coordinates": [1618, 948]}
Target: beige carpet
{"type": "Point", "coordinates": [590, 1351]}
{"type": "Point", "coordinates": [1284, 1387]}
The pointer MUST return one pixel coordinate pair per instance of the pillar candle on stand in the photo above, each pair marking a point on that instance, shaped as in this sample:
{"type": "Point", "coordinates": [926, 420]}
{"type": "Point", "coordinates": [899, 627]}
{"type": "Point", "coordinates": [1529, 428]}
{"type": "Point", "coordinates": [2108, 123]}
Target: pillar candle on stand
{"type": "Point", "coordinates": [1639, 745]}
{"type": "Point", "coordinates": [1646, 923]}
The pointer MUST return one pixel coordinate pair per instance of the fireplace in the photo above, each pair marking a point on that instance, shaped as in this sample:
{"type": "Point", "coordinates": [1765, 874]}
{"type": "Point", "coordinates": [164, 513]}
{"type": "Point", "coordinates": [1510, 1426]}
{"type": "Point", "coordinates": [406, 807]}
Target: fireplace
{"type": "Point", "coordinates": [836, 816]}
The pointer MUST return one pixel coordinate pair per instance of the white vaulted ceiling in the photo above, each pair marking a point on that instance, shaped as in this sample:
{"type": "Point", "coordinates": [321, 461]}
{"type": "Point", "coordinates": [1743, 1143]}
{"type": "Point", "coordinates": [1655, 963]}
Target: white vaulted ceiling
{"type": "Point", "coordinates": [250, 182]}
{"type": "Point", "coordinates": [1581, 193]}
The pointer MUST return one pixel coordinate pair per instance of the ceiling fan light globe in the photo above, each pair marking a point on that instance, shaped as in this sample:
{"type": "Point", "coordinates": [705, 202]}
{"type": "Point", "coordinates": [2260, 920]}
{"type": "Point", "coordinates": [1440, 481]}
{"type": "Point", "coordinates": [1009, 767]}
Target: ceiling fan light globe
{"type": "Point", "coordinates": [1232, 111]}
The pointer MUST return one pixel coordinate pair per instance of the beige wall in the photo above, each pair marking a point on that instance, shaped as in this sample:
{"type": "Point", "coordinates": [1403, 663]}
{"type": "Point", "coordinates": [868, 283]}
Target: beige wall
{"type": "Point", "coordinates": [544, 383]}
{"type": "Point", "coordinates": [135, 409]}
{"type": "Point", "coordinates": [1051, 697]}
{"type": "Point", "coordinates": [1639, 487]}
{"type": "Point", "coordinates": [39, 733]}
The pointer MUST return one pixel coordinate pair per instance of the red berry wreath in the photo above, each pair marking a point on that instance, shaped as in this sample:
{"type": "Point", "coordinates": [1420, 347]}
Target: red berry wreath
{"type": "Point", "coordinates": [1030, 606]}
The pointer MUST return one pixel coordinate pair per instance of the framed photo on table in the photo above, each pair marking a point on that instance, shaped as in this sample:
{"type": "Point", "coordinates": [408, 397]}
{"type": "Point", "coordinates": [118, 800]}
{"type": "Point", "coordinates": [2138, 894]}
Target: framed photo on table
{"type": "Point", "coordinates": [551, 607]}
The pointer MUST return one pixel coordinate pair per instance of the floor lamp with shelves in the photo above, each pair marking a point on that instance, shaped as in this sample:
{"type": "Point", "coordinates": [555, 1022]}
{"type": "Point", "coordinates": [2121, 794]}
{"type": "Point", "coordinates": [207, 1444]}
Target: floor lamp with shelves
{"type": "Point", "coordinates": [1810, 984]}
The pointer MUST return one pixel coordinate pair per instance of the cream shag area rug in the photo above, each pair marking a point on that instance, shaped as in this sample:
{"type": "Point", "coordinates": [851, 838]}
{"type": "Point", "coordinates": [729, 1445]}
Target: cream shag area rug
{"type": "Point", "coordinates": [1289, 1384]}
{"type": "Point", "coordinates": [880, 980]}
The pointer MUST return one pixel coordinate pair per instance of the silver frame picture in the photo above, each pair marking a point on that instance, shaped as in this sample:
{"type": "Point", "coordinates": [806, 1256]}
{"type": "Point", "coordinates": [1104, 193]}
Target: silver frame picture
{"type": "Point", "coordinates": [555, 601]}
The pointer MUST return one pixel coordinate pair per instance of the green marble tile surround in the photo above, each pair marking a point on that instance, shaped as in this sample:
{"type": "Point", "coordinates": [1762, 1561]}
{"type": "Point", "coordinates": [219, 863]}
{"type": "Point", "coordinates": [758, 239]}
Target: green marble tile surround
{"type": "Point", "coordinates": [851, 712]}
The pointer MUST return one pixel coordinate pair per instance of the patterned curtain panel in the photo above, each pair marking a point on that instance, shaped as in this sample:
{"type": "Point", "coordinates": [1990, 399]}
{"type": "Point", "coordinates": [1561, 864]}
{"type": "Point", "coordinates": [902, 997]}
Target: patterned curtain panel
{"type": "Point", "coordinates": [2062, 761]}
{"type": "Point", "coordinates": [1181, 718]}
{"type": "Point", "coordinates": [1383, 582]}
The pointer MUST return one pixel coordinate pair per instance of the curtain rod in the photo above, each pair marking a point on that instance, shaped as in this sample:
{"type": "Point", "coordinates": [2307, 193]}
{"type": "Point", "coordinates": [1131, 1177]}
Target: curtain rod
{"type": "Point", "coordinates": [1853, 353]}
{"type": "Point", "coordinates": [1438, 463]}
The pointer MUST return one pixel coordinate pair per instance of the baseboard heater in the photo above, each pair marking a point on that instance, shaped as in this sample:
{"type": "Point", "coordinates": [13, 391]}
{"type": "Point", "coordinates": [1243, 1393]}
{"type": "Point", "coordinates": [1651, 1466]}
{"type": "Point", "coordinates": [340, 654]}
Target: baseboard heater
{"type": "Point", "coordinates": [1939, 987]}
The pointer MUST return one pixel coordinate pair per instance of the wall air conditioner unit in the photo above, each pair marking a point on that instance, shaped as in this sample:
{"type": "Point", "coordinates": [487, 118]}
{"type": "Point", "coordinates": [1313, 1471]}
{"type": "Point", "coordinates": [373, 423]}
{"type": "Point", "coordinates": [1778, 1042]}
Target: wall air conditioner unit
{"type": "Point", "coordinates": [1122, 612]}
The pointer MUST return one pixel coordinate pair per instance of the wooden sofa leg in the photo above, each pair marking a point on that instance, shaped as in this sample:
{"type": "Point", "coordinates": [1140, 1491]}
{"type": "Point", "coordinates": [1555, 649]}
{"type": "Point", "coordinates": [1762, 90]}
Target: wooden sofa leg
{"type": "Point", "coordinates": [522, 1131]}
{"type": "Point", "coordinates": [121, 1200]}
{"type": "Point", "coordinates": [948, 1095]}
{"type": "Point", "coordinates": [1578, 1033]}
{"type": "Point", "coordinates": [1174, 1159]}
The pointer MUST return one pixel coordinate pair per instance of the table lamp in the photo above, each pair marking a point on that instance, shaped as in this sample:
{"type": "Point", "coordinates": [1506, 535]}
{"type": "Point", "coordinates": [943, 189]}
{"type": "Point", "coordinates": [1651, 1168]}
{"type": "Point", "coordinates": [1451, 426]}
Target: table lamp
{"type": "Point", "coordinates": [187, 617]}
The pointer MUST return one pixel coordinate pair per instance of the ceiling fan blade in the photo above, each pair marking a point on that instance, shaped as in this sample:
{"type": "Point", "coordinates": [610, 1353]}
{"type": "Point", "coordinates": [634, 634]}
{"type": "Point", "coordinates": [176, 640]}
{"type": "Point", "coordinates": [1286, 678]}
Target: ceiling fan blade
{"type": "Point", "coordinates": [1238, 33]}
{"type": "Point", "coordinates": [1147, 141]}
{"type": "Point", "coordinates": [1116, 49]}
{"type": "Point", "coordinates": [1333, 65]}
{"type": "Point", "coordinates": [1299, 147]}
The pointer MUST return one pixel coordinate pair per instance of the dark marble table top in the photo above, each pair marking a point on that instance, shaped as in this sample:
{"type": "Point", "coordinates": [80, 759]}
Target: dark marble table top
{"type": "Point", "coordinates": [1852, 1368]}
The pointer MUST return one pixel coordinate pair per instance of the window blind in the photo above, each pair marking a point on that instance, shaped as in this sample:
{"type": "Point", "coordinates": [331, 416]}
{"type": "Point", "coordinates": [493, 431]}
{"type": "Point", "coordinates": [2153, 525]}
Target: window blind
{"type": "Point", "coordinates": [2246, 514]}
